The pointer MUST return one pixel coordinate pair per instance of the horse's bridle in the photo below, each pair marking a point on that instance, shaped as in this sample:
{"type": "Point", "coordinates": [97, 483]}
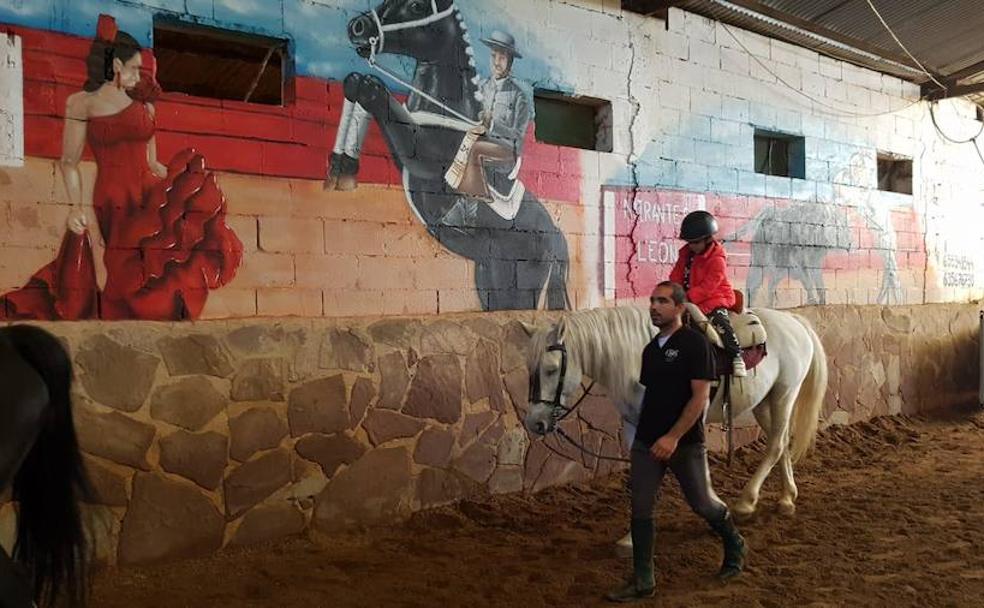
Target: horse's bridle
{"type": "Point", "coordinates": [557, 409]}
{"type": "Point", "coordinates": [436, 15]}
{"type": "Point", "coordinates": [376, 47]}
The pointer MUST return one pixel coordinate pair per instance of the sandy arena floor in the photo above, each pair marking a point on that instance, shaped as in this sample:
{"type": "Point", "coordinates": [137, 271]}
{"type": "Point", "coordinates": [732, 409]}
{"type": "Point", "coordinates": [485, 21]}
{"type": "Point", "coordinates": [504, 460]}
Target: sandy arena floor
{"type": "Point", "coordinates": [891, 513]}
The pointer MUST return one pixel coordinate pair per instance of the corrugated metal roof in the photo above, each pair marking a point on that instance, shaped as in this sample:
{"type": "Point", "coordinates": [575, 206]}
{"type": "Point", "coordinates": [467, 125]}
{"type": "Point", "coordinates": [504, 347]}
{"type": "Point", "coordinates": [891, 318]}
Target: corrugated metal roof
{"type": "Point", "coordinates": [945, 35]}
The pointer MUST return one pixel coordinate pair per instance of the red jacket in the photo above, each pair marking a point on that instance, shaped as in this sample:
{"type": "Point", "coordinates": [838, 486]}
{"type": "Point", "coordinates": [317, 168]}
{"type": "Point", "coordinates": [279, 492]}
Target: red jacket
{"type": "Point", "coordinates": [709, 284]}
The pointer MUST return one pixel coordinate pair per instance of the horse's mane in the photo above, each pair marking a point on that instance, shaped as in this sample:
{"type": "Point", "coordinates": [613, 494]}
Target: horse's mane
{"type": "Point", "coordinates": [607, 343]}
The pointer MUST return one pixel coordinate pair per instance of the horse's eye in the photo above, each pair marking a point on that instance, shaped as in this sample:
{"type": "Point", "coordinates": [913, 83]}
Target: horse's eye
{"type": "Point", "coordinates": [417, 7]}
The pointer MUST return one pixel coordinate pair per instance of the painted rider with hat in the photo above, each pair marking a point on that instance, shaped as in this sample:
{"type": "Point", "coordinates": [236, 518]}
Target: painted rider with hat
{"type": "Point", "coordinates": [494, 161]}
{"type": "Point", "coordinates": [508, 107]}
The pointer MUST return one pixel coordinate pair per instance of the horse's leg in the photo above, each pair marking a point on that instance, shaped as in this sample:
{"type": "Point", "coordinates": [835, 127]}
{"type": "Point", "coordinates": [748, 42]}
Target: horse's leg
{"type": "Point", "coordinates": [773, 282]}
{"type": "Point", "coordinates": [787, 502]}
{"type": "Point", "coordinates": [777, 437]}
{"type": "Point", "coordinates": [754, 281]}
{"type": "Point", "coordinates": [818, 285]}
{"type": "Point", "coordinates": [401, 132]}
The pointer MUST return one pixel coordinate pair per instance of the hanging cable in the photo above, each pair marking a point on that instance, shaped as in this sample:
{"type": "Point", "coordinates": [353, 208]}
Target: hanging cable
{"type": "Point", "coordinates": [902, 46]}
{"type": "Point", "coordinates": [838, 112]}
{"type": "Point", "coordinates": [932, 115]}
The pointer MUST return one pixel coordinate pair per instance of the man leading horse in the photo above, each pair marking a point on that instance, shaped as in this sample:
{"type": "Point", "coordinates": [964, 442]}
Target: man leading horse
{"type": "Point", "coordinates": [677, 371]}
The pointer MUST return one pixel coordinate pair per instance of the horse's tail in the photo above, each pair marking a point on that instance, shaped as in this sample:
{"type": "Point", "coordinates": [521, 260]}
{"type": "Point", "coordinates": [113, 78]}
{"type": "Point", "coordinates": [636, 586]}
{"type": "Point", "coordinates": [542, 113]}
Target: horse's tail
{"type": "Point", "coordinates": [806, 410]}
{"type": "Point", "coordinates": [51, 481]}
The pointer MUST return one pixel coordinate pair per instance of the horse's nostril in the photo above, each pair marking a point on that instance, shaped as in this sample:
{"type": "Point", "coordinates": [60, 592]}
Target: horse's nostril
{"type": "Point", "coordinates": [541, 428]}
{"type": "Point", "coordinates": [358, 27]}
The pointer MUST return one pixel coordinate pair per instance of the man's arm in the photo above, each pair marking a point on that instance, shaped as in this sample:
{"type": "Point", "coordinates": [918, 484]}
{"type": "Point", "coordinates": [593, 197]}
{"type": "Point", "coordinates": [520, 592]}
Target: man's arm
{"type": "Point", "coordinates": [667, 444]}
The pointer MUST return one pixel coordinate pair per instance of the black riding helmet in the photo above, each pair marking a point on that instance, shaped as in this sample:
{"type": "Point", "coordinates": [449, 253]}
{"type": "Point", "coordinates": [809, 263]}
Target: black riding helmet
{"type": "Point", "coordinates": [698, 225]}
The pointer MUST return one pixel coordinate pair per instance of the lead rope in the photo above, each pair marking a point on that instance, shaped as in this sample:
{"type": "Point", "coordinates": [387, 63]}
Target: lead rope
{"type": "Point", "coordinates": [571, 441]}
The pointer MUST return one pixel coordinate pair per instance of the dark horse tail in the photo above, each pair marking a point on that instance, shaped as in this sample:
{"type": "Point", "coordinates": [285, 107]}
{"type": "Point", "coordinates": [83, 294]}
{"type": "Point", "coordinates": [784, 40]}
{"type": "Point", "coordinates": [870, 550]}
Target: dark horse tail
{"type": "Point", "coordinates": [51, 481]}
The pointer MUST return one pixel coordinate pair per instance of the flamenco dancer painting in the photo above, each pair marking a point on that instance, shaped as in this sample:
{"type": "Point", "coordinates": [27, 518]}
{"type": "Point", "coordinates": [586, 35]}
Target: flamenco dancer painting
{"type": "Point", "coordinates": [163, 226]}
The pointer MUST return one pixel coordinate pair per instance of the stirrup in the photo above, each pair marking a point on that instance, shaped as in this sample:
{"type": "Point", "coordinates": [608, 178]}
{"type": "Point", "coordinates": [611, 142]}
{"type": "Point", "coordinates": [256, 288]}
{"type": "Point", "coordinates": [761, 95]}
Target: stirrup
{"type": "Point", "coordinates": [738, 367]}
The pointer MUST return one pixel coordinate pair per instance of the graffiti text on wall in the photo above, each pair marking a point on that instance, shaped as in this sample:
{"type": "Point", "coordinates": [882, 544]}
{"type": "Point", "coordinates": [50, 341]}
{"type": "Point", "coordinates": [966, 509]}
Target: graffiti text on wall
{"type": "Point", "coordinates": [958, 271]}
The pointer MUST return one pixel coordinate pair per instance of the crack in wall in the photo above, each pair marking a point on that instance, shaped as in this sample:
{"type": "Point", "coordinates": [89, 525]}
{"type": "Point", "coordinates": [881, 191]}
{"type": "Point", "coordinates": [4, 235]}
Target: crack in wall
{"type": "Point", "coordinates": [632, 160]}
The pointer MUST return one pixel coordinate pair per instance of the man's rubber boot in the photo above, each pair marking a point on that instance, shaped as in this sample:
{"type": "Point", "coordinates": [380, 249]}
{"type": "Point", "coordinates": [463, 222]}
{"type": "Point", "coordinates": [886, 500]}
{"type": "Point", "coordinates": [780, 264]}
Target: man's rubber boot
{"type": "Point", "coordinates": [643, 582]}
{"type": "Point", "coordinates": [734, 548]}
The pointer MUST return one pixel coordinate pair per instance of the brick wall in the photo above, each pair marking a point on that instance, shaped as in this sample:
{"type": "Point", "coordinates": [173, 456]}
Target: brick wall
{"type": "Point", "coordinates": [686, 101]}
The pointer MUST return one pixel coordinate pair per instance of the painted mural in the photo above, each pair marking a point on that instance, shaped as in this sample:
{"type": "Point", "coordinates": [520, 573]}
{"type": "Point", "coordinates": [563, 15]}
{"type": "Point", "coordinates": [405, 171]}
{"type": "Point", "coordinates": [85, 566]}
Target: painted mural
{"type": "Point", "coordinates": [162, 227]}
{"type": "Point", "coordinates": [782, 252]}
{"type": "Point", "coordinates": [458, 141]}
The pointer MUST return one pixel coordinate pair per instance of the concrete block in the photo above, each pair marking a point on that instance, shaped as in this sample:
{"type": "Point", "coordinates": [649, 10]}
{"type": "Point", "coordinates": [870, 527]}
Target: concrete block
{"type": "Point", "coordinates": [751, 183]}
{"type": "Point", "coordinates": [802, 189]}
{"type": "Point", "coordinates": [705, 54]}
{"type": "Point", "coordinates": [714, 154]}
{"type": "Point", "coordinates": [706, 103]}
{"type": "Point", "coordinates": [672, 45]}
{"type": "Point", "coordinates": [735, 108]}
{"type": "Point", "coordinates": [692, 176]}
{"type": "Point", "coordinates": [678, 148]}
{"type": "Point", "coordinates": [814, 85]}
{"type": "Point", "coordinates": [722, 179]}
{"type": "Point", "coordinates": [763, 116]}
{"type": "Point", "coordinates": [726, 132]}
{"type": "Point", "coordinates": [674, 96]}
{"type": "Point", "coordinates": [734, 61]}
{"type": "Point", "coordinates": [700, 28]}
{"type": "Point", "coordinates": [831, 68]}
{"type": "Point", "coordinates": [778, 187]}
{"type": "Point", "coordinates": [790, 74]}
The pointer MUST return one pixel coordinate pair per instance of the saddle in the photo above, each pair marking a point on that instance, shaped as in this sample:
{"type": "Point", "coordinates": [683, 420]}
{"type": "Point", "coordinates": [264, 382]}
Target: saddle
{"type": "Point", "coordinates": [467, 173]}
{"type": "Point", "coordinates": [748, 329]}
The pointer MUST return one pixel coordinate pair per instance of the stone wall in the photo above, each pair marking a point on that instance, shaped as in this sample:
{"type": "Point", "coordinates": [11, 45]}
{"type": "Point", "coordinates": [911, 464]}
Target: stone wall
{"type": "Point", "coordinates": [204, 435]}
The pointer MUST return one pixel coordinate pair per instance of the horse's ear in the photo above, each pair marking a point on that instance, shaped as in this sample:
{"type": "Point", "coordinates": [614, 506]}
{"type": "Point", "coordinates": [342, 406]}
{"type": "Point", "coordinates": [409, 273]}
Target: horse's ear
{"type": "Point", "coordinates": [529, 328]}
{"type": "Point", "coordinates": [561, 331]}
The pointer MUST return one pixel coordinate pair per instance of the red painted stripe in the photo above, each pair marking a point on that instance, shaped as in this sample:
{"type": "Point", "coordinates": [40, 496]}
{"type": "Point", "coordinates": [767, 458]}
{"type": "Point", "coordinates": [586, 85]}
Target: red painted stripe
{"type": "Point", "coordinates": [290, 141]}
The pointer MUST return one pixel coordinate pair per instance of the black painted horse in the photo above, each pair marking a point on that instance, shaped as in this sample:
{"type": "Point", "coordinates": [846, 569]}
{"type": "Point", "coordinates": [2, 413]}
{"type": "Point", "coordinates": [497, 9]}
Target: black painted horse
{"type": "Point", "coordinates": [518, 261]}
{"type": "Point", "coordinates": [39, 457]}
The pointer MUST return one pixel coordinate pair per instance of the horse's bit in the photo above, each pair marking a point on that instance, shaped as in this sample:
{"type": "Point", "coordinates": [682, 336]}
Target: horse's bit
{"type": "Point", "coordinates": [376, 47]}
{"type": "Point", "coordinates": [558, 410]}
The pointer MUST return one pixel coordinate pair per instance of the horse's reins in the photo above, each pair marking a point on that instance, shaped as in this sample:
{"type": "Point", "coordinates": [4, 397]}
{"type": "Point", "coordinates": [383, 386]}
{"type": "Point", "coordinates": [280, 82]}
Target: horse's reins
{"type": "Point", "coordinates": [376, 47]}
{"type": "Point", "coordinates": [558, 410]}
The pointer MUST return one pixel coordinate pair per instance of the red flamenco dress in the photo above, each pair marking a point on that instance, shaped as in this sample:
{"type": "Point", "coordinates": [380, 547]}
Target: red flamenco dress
{"type": "Point", "coordinates": [167, 243]}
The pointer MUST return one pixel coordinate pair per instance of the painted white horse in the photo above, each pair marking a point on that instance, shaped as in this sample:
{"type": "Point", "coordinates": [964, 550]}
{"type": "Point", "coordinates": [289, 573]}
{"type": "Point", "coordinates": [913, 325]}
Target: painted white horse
{"type": "Point", "coordinates": [784, 392]}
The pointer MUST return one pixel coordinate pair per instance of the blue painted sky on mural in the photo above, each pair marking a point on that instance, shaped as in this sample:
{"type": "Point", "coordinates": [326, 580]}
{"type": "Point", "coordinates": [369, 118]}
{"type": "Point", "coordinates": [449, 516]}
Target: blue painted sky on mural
{"type": "Point", "coordinates": [315, 27]}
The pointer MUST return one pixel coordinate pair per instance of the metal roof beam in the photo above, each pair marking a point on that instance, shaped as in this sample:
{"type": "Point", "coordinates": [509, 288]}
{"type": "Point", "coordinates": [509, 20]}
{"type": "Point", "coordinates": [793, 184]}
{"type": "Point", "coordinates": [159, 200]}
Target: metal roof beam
{"type": "Point", "coordinates": [936, 93]}
{"type": "Point", "coordinates": [967, 72]}
{"type": "Point", "coordinates": [651, 8]}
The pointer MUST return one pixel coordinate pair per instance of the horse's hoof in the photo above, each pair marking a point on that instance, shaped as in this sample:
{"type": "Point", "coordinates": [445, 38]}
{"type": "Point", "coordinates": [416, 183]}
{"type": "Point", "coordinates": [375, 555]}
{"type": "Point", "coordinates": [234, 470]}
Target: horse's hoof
{"type": "Point", "coordinates": [330, 183]}
{"type": "Point", "coordinates": [786, 508]}
{"type": "Point", "coordinates": [743, 513]}
{"type": "Point", "coordinates": [346, 183]}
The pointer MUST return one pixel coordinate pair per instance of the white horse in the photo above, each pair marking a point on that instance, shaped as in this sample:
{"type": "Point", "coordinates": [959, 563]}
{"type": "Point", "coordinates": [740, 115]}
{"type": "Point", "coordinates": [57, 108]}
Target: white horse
{"type": "Point", "coordinates": [784, 392]}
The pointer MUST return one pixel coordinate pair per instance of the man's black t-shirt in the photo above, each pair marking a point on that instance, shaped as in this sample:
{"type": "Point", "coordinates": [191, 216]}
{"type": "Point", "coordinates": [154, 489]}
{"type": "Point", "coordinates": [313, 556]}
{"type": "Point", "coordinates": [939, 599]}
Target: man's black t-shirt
{"type": "Point", "coordinates": [666, 374]}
